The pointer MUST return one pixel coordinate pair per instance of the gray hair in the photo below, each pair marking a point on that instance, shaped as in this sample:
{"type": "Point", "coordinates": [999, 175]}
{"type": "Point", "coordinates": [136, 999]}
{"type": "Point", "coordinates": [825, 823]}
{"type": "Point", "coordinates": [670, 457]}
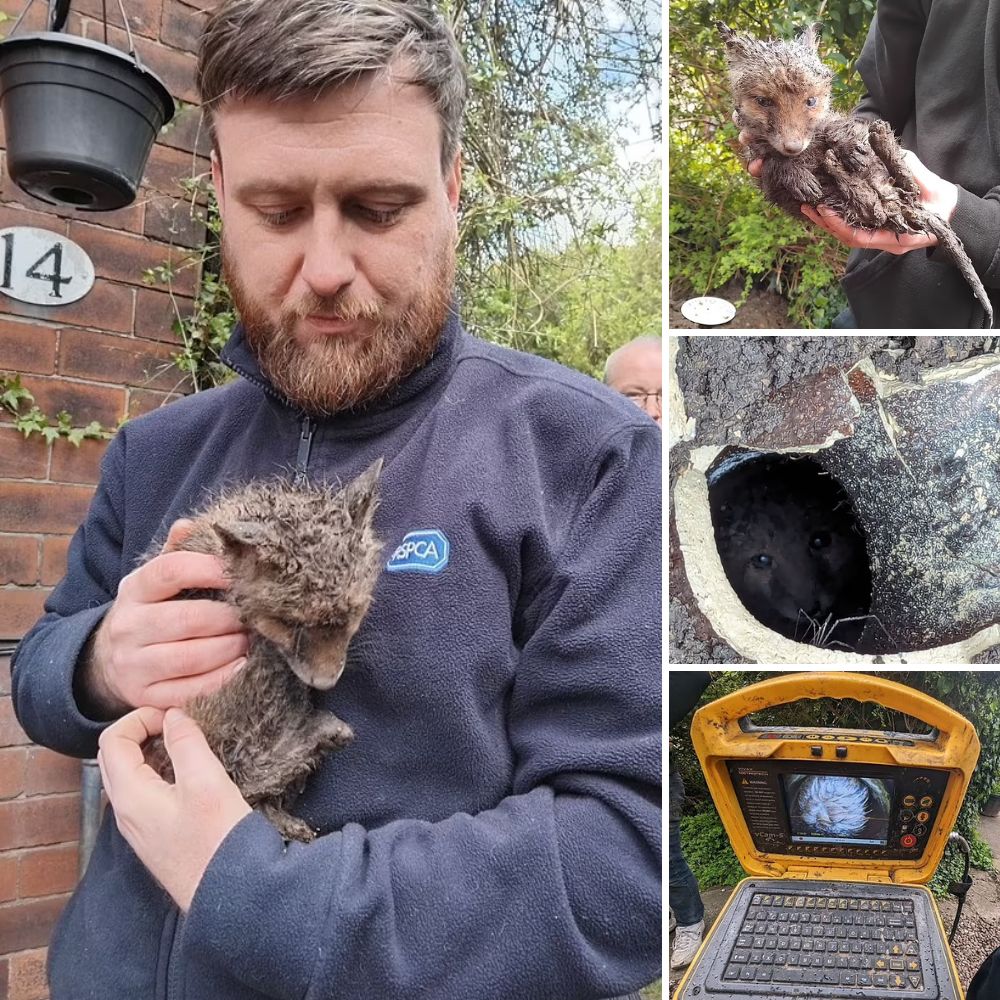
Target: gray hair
{"type": "Point", "coordinates": [647, 340]}
{"type": "Point", "coordinates": [283, 49]}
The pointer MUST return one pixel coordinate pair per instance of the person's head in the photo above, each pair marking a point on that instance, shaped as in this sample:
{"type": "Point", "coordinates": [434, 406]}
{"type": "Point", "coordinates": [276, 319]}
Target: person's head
{"type": "Point", "coordinates": [335, 128]}
{"type": "Point", "coordinates": [636, 371]}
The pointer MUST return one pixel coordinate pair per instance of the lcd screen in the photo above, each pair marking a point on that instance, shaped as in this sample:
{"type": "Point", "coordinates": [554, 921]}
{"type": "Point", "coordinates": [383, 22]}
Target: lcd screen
{"type": "Point", "coordinates": [838, 809]}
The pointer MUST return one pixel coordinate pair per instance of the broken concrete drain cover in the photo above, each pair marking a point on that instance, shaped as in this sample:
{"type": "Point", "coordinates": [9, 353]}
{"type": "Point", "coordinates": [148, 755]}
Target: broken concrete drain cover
{"type": "Point", "coordinates": [847, 514]}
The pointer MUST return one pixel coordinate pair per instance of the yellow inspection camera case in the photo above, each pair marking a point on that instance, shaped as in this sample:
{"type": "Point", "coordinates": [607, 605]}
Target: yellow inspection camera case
{"type": "Point", "coordinates": [840, 829]}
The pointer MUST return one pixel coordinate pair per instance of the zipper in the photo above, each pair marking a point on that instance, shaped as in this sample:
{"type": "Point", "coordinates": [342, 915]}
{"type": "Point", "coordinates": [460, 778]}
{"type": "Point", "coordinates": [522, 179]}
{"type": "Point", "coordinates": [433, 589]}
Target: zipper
{"type": "Point", "coordinates": [305, 446]}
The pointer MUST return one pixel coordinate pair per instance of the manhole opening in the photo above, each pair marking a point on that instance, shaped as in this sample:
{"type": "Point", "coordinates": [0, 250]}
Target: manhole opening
{"type": "Point", "coordinates": [793, 549]}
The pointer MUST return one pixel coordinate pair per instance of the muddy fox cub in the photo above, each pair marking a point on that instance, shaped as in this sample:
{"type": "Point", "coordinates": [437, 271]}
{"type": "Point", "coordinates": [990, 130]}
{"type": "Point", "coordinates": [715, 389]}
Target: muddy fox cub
{"type": "Point", "coordinates": [304, 562]}
{"type": "Point", "coordinates": [813, 155]}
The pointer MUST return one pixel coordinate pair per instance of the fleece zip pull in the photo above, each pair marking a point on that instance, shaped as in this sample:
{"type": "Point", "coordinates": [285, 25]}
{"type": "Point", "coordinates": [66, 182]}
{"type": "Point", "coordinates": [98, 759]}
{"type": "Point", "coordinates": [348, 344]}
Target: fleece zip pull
{"type": "Point", "coordinates": [305, 446]}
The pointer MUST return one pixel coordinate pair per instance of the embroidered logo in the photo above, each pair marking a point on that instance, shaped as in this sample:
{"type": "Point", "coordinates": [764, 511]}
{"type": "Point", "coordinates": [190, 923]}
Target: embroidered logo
{"type": "Point", "coordinates": [420, 552]}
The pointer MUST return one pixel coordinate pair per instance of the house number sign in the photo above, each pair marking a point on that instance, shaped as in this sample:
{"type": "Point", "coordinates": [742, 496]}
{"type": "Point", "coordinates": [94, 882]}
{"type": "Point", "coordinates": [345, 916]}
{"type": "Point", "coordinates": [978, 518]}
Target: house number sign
{"type": "Point", "coordinates": [43, 268]}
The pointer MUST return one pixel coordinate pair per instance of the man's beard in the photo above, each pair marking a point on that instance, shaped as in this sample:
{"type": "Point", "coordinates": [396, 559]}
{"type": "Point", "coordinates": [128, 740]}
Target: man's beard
{"type": "Point", "coordinates": [333, 373]}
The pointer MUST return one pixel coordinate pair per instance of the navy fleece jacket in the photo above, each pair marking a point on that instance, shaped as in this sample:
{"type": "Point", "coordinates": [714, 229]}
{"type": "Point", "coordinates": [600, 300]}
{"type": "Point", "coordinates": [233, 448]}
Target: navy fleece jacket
{"type": "Point", "coordinates": [494, 830]}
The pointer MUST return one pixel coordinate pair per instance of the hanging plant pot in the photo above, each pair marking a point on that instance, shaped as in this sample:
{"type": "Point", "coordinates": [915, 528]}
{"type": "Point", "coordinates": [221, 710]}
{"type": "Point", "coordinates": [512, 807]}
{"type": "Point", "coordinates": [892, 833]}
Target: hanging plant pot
{"type": "Point", "coordinates": [80, 118]}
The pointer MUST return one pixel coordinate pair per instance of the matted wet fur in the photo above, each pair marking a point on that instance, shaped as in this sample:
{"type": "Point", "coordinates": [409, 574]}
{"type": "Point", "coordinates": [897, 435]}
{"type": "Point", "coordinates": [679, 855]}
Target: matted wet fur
{"type": "Point", "coordinates": [814, 155]}
{"type": "Point", "coordinates": [303, 563]}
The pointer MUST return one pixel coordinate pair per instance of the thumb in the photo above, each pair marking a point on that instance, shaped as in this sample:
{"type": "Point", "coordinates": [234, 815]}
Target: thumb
{"type": "Point", "coordinates": [189, 751]}
{"type": "Point", "coordinates": [178, 534]}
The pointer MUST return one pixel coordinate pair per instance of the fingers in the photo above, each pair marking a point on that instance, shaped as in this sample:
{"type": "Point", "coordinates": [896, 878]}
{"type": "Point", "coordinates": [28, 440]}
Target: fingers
{"type": "Point", "coordinates": [120, 755]}
{"type": "Point", "coordinates": [190, 754]}
{"type": "Point", "coordinates": [180, 690]}
{"type": "Point", "coordinates": [166, 575]}
{"type": "Point", "coordinates": [176, 621]}
{"type": "Point", "coordinates": [180, 531]}
{"type": "Point", "coordinates": [192, 658]}
{"type": "Point", "coordinates": [866, 239]}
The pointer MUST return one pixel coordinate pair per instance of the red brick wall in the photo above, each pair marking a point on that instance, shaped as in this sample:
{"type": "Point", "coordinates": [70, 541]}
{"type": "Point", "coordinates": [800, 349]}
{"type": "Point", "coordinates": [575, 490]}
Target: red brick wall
{"type": "Point", "coordinates": [102, 358]}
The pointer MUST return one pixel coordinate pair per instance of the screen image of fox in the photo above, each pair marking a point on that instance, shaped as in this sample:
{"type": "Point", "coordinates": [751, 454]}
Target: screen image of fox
{"type": "Point", "coordinates": [838, 806]}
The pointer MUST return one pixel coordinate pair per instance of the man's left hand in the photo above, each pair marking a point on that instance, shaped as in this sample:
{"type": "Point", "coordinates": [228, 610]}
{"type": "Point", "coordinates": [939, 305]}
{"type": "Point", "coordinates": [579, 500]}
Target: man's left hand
{"type": "Point", "coordinates": [174, 829]}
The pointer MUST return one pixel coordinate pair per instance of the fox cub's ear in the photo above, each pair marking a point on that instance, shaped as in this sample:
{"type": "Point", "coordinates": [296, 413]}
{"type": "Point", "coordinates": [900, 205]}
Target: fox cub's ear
{"type": "Point", "coordinates": [733, 41]}
{"type": "Point", "coordinates": [810, 37]}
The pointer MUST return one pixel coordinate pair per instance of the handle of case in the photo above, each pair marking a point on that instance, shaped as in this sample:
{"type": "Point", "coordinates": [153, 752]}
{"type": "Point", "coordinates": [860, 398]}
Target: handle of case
{"type": "Point", "coordinates": [730, 711]}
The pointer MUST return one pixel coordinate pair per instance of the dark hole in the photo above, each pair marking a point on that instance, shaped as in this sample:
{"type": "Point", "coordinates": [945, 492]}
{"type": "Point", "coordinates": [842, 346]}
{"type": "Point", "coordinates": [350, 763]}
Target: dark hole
{"type": "Point", "coordinates": [792, 547]}
{"type": "Point", "coordinates": [72, 196]}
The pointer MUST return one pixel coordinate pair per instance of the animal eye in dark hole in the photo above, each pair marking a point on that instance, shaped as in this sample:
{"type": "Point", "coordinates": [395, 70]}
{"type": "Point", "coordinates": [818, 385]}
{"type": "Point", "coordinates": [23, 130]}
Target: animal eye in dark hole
{"type": "Point", "coordinates": [764, 102]}
{"type": "Point", "coordinates": [762, 561]}
{"type": "Point", "coordinates": [820, 540]}
{"type": "Point", "coordinates": [811, 102]}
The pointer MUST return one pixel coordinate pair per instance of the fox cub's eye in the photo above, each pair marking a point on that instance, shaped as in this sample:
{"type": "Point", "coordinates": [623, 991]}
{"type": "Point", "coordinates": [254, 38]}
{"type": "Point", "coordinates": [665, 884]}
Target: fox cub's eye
{"type": "Point", "coordinates": [811, 102]}
{"type": "Point", "coordinates": [761, 561]}
{"type": "Point", "coordinates": [764, 102]}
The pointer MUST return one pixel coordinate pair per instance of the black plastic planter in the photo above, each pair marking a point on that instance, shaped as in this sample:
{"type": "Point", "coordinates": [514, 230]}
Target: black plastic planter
{"type": "Point", "coordinates": [80, 118]}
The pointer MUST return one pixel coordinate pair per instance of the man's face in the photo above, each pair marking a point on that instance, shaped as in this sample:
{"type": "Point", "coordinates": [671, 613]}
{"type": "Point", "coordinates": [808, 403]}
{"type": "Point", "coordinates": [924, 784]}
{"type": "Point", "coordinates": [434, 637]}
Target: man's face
{"type": "Point", "coordinates": [637, 372]}
{"type": "Point", "coordinates": [339, 234]}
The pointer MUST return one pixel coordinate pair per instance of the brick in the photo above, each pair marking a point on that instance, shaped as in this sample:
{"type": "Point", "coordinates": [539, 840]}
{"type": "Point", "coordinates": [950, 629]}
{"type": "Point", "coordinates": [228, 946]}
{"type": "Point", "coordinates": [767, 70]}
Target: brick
{"type": "Point", "coordinates": [142, 401]}
{"type": "Point", "coordinates": [4, 675]}
{"type": "Point", "coordinates": [19, 610]}
{"type": "Point", "coordinates": [174, 221]}
{"type": "Point", "coordinates": [187, 131]}
{"type": "Point", "coordinates": [54, 551]}
{"type": "Point", "coordinates": [46, 871]}
{"type": "Point", "coordinates": [42, 507]}
{"type": "Point", "coordinates": [144, 364]}
{"type": "Point", "coordinates": [4, 970]}
{"type": "Point", "coordinates": [50, 772]}
{"type": "Point", "coordinates": [28, 980]}
{"type": "Point", "coordinates": [156, 313]}
{"type": "Point", "coordinates": [28, 923]}
{"type": "Point", "coordinates": [77, 464]}
{"type": "Point", "coordinates": [8, 876]}
{"type": "Point", "coordinates": [18, 556]}
{"type": "Point", "coordinates": [13, 768]}
{"type": "Point", "coordinates": [11, 733]}
{"type": "Point", "coordinates": [17, 215]}
{"type": "Point", "coordinates": [27, 347]}
{"type": "Point", "coordinates": [176, 69]}
{"type": "Point", "coordinates": [48, 819]}
{"type": "Point", "coordinates": [143, 16]}
{"type": "Point", "coordinates": [181, 27]}
{"type": "Point", "coordinates": [169, 169]}
{"type": "Point", "coordinates": [22, 457]}
{"type": "Point", "coordinates": [83, 401]}
{"type": "Point", "coordinates": [107, 306]}
{"type": "Point", "coordinates": [122, 257]}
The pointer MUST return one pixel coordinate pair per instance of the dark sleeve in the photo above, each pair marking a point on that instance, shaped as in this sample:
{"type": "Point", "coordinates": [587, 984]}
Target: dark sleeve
{"type": "Point", "coordinates": [977, 223]}
{"type": "Point", "coordinates": [888, 61]}
{"type": "Point", "coordinates": [554, 892]}
{"type": "Point", "coordinates": [986, 983]}
{"type": "Point", "coordinates": [44, 664]}
{"type": "Point", "coordinates": [685, 688]}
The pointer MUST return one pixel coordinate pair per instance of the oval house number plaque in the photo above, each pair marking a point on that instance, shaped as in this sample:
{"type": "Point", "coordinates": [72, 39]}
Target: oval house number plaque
{"type": "Point", "coordinates": [43, 268]}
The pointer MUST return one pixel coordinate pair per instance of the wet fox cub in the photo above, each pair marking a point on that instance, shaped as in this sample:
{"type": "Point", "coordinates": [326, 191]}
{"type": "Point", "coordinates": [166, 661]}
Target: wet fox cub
{"type": "Point", "coordinates": [813, 155]}
{"type": "Point", "coordinates": [303, 563]}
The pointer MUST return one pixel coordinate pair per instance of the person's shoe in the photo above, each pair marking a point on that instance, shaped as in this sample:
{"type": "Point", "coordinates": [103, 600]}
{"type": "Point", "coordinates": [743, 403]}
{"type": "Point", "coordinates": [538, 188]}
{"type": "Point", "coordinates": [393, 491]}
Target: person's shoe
{"type": "Point", "coordinates": [687, 941]}
{"type": "Point", "coordinates": [673, 922]}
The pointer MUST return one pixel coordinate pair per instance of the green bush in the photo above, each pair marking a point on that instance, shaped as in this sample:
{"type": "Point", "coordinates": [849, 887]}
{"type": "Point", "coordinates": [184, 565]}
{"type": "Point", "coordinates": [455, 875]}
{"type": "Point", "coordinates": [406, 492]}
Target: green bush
{"type": "Point", "coordinates": [708, 851]}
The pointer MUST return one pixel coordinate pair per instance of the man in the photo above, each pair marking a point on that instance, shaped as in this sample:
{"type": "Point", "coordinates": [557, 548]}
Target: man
{"type": "Point", "coordinates": [494, 829]}
{"type": "Point", "coordinates": [686, 687]}
{"type": "Point", "coordinates": [636, 371]}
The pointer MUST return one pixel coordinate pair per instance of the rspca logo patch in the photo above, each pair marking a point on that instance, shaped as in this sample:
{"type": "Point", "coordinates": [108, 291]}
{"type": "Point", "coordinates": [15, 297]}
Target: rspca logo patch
{"type": "Point", "coordinates": [420, 552]}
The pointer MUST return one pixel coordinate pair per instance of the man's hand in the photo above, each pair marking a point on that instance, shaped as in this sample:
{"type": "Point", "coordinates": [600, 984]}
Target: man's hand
{"type": "Point", "coordinates": [152, 650]}
{"type": "Point", "coordinates": [174, 829]}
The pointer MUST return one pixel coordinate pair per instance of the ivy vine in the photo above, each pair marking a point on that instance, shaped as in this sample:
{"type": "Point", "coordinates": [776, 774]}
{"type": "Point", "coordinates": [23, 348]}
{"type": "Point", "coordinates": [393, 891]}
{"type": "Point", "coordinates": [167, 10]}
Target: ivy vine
{"type": "Point", "coordinates": [13, 396]}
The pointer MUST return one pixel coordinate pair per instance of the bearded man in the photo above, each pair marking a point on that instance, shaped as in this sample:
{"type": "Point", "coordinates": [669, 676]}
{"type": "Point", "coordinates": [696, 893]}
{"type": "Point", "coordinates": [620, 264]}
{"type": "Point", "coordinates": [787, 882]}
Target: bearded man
{"type": "Point", "coordinates": [494, 829]}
